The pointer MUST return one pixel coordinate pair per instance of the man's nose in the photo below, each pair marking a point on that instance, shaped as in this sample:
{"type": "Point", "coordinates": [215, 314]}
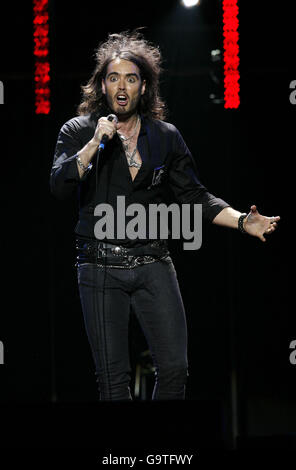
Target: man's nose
{"type": "Point", "coordinates": [121, 84]}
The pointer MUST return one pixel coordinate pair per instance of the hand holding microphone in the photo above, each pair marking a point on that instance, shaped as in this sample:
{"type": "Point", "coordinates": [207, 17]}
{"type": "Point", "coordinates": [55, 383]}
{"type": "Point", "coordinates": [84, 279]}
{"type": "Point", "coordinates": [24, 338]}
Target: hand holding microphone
{"type": "Point", "coordinates": [105, 130]}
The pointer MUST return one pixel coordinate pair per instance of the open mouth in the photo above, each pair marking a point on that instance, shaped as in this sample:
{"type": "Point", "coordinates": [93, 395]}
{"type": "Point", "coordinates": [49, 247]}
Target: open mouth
{"type": "Point", "coordinates": [122, 100]}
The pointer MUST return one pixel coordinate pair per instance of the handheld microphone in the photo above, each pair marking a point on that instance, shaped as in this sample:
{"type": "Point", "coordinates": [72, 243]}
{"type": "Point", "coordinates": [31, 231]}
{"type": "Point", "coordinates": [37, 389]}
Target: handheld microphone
{"type": "Point", "coordinates": [105, 138]}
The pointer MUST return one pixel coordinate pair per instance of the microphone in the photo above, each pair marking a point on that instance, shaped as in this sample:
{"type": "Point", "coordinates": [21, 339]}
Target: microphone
{"type": "Point", "coordinates": [105, 138]}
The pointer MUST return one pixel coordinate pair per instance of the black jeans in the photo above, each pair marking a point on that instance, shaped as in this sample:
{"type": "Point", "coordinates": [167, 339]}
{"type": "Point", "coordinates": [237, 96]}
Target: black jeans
{"type": "Point", "coordinates": [152, 292]}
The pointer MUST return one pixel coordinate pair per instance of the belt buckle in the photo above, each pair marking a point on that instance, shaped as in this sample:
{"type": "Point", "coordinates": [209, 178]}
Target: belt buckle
{"type": "Point", "coordinates": [144, 259]}
{"type": "Point", "coordinates": [102, 252]}
{"type": "Point", "coordinates": [119, 251]}
{"type": "Point", "coordinates": [138, 259]}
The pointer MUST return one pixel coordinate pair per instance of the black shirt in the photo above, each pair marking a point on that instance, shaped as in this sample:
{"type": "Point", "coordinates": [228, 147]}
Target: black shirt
{"type": "Point", "coordinates": [168, 173]}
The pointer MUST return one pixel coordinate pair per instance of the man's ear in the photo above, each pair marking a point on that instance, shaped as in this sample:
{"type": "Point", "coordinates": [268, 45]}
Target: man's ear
{"type": "Point", "coordinates": [103, 87]}
{"type": "Point", "coordinates": [143, 88]}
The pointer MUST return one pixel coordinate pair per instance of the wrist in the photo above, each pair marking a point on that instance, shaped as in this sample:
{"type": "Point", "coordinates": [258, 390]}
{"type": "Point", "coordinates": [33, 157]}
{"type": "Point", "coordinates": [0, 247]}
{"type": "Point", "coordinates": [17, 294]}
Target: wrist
{"type": "Point", "coordinates": [82, 165]}
{"type": "Point", "coordinates": [242, 223]}
{"type": "Point", "coordinates": [93, 144]}
{"type": "Point", "coordinates": [86, 154]}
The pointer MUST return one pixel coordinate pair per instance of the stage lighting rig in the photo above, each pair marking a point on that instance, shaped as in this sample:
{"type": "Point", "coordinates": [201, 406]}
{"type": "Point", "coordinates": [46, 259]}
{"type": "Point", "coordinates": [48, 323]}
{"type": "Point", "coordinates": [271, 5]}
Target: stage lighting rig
{"type": "Point", "coordinates": [216, 74]}
{"type": "Point", "coordinates": [190, 3]}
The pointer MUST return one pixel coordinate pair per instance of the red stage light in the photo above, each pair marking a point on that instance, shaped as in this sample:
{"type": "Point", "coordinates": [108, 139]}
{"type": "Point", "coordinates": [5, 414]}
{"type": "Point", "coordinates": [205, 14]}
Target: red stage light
{"type": "Point", "coordinates": [231, 54]}
{"type": "Point", "coordinates": [41, 54]}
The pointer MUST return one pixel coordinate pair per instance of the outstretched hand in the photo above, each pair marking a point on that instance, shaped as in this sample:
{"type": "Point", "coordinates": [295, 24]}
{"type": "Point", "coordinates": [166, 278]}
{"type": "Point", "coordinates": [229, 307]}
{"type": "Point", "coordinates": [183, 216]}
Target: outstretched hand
{"type": "Point", "coordinates": [257, 225]}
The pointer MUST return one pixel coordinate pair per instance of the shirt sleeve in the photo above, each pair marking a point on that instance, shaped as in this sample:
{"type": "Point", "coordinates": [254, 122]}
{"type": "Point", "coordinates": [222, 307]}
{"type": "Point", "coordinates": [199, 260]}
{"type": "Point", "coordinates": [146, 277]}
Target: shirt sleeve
{"type": "Point", "coordinates": [185, 183]}
{"type": "Point", "coordinates": [64, 175]}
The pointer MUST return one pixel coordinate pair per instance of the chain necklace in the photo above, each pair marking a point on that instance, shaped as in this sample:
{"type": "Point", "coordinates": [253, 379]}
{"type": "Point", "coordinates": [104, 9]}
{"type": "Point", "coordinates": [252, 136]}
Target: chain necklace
{"type": "Point", "coordinates": [130, 155]}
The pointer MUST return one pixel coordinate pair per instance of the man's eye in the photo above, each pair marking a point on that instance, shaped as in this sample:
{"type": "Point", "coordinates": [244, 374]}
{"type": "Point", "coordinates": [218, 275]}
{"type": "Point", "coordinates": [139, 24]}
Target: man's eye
{"type": "Point", "coordinates": [113, 79]}
{"type": "Point", "coordinates": [131, 79]}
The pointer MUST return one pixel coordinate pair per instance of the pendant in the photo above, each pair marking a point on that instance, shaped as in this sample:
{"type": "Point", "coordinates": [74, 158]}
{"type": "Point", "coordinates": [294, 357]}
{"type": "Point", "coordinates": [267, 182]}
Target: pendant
{"type": "Point", "coordinates": [131, 159]}
{"type": "Point", "coordinates": [135, 164]}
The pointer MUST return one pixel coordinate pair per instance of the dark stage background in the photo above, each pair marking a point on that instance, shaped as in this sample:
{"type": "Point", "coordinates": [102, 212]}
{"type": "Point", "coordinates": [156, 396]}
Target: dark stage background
{"type": "Point", "coordinates": [240, 311]}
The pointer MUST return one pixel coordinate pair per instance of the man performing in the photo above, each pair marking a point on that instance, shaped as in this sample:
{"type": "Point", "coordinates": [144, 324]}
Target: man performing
{"type": "Point", "coordinates": [146, 161]}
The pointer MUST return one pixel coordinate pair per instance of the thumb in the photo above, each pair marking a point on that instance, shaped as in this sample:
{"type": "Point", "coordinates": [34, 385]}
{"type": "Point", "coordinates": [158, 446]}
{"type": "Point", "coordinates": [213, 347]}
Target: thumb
{"type": "Point", "coordinates": [254, 209]}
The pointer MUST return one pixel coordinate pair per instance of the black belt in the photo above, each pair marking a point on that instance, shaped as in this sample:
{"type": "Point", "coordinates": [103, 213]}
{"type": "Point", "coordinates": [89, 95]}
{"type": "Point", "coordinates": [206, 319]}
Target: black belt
{"type": "Point", "coordinates": [108, 254]}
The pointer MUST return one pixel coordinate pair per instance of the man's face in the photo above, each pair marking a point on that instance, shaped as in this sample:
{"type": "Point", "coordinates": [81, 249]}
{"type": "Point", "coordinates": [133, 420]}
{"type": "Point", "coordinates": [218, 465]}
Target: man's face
{"type": "Point", "coordinates": [123, 87]}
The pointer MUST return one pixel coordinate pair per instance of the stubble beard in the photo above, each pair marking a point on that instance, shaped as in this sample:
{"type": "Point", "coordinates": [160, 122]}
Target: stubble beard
{"type": "Point", "coordinates": [122, 114]}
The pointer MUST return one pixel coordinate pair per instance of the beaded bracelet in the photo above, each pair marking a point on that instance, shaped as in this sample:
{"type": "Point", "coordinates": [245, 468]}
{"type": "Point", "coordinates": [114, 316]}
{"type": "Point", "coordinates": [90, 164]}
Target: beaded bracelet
{"type": "Point", "coordinates": [84, 168]}
{"type": "Point", "coordinates": [241, 222]}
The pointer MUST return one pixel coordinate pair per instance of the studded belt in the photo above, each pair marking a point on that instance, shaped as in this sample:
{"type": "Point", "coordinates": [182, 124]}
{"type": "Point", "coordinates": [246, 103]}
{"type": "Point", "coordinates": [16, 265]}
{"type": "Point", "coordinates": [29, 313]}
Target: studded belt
{"type": "Point", "coordinates": [107, 254]}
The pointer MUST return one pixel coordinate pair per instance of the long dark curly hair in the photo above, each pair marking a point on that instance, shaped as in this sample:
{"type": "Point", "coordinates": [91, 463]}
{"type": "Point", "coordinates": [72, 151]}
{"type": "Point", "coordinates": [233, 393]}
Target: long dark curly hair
{"type": "Point", "coordinates": [134, 47]}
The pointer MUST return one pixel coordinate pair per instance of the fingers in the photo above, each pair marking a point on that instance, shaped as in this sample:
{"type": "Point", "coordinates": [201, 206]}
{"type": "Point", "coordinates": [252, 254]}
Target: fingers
{"type": "Point", "coordinates": [271, 228]}
{"type": "Point", "coordinates": [274, 219]}
{"type": "Point", "coordinates": [105, 127]}
{"type": "Point", "coordinates": [273, 223]}
{"type": "Point", "coordinates": [270, 222]}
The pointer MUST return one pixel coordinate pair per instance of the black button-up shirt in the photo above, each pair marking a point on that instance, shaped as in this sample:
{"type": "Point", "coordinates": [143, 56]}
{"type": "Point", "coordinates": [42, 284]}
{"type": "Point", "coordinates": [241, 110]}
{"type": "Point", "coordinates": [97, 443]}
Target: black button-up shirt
{"type": "Point", "coordinates": [168, 173]}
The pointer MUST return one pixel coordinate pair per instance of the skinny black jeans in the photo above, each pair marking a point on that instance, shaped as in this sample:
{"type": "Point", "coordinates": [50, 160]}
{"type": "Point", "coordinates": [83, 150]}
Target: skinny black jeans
{"type": "Point", "coordinates": [152, 292]}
